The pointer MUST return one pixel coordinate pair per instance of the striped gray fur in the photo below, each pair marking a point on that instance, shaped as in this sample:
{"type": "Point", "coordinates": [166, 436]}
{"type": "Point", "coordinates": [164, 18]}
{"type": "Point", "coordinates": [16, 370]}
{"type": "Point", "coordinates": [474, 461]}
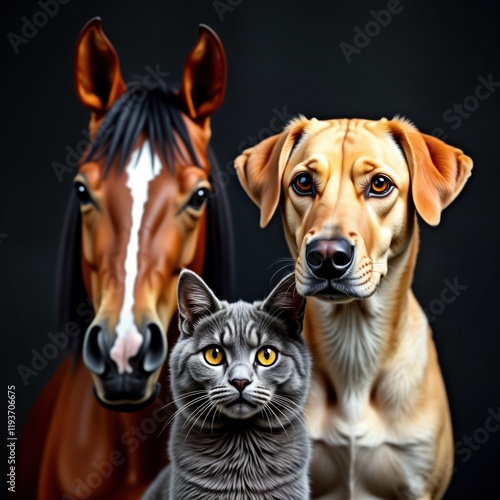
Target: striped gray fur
{"type": "Point", "coordinates": [227, 444]}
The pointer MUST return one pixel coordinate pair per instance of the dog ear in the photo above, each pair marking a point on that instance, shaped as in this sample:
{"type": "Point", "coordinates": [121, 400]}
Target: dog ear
{"type": "Point", "coordinates": [98, 79]}
{"type": "Point", "coordinates": [260, 169]}
{"type": "Point", "coordinates": [204, 77]}
{"type": "Point", "coordinates": [438, 171]}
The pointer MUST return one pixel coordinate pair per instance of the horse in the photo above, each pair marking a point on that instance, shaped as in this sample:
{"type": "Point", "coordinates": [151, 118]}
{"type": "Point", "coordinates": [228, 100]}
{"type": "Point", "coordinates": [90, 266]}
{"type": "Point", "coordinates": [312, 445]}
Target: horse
{"type": "Point", "coordinates": [144, 207]}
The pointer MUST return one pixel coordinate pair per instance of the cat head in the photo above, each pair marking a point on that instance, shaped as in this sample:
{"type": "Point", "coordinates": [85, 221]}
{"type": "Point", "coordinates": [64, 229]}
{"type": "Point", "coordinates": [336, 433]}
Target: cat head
{"type": "Point", "coordinates": [240, 361]}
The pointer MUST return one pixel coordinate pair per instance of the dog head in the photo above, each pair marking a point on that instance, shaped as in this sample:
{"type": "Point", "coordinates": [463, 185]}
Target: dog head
{"type": "Point", "coordinates": [348, 191]}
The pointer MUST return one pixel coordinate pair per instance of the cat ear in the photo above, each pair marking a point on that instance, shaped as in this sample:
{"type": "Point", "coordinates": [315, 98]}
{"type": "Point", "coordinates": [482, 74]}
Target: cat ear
{"type": "Point", "coordinates": [195, 300]}
{"type": "Point", "coordinates": [286, 303]}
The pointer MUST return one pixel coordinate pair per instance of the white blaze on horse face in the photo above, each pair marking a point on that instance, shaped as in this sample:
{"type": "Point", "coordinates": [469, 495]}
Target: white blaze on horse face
{"type": "Point", "coordinates": [140, 173]}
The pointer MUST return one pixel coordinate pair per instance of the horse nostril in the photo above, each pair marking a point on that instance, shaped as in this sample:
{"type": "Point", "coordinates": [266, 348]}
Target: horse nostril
{"type": "Point", "coordinates": [240, 384]}
{"type": "Point", "coordinates": [154, 348]}
{"type": "Point", "coordinates": [94, 349]}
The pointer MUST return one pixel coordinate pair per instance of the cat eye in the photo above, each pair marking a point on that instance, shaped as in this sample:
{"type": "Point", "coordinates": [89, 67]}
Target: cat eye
{"type": "Point", "coordinates": [267, 356]}
{"type": "Point", "coordinates": [380, 185]}
{"type": "Point", "coordinates": [214, 355]}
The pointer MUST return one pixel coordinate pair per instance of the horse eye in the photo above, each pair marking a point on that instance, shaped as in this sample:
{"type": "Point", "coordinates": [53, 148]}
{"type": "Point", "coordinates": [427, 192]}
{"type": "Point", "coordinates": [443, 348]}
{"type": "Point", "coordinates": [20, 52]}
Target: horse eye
{"type": "Point", "coordinates": [303, 184]}
{"type": "Point", "coordinates": [198, 198]}
{"type": "Point", "coordinates": [380, 186]}
{"type": "Point", "coordinates": [83, 193]}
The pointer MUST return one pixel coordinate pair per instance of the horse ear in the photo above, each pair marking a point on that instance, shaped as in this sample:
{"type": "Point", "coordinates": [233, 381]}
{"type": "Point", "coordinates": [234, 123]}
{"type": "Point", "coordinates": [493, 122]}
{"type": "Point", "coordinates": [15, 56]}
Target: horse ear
{"type": "Point", "coordinates": [286, 303]}
{"type": "Point", "coordinates": [98, 79]}
{"type": "Point", "coordinates": [260, 169]}
{"type": "Point", "coordinates": [204, 77]}
{"type": "Point", "coordinates": [438, 171]}
{"type": "Point", "coordinates": [195, 300]}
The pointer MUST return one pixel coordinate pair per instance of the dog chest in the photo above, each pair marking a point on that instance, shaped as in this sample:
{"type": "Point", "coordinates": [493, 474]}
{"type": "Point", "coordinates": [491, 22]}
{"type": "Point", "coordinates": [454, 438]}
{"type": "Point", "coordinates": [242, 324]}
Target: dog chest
{"type": "Point", "coordinates": [366, 458]}
{"type": "Point", "coordinates": [382, 472]}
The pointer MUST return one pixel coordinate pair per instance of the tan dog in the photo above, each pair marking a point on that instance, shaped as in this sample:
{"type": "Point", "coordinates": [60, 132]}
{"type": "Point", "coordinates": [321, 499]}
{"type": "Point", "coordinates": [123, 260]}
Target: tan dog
{"type": "Point", "coordinates": [349, 191]}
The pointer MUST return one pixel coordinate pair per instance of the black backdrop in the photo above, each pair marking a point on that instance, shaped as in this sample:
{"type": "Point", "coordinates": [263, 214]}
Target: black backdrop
{"type": "Point", "coordinates": [284, 58]}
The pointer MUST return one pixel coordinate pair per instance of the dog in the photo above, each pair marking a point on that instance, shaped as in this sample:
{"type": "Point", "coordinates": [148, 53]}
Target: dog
{"type": "Point", "coordinates": [349, 191]}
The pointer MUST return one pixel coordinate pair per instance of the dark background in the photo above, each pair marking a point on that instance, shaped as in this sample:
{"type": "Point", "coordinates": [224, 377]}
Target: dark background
{"type": "Point", "coordinates": [281, 54]}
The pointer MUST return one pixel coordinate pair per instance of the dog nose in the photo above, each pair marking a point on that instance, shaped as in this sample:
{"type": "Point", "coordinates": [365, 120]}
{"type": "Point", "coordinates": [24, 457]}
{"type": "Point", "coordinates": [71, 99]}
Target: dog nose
{"type": "Point", "coordinates": [329, 259]}
{"type": "Point", "coordinates": [239, 383]}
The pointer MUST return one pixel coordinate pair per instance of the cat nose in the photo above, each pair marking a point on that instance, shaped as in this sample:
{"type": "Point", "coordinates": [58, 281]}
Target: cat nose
{"type": "Point", "coordinates": [239, 383]}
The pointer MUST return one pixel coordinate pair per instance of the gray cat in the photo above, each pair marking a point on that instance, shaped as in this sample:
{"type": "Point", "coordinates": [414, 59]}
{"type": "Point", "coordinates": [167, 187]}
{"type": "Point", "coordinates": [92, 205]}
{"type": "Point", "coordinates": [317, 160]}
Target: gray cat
{"type": "Point", "coordinates": [240, 376]}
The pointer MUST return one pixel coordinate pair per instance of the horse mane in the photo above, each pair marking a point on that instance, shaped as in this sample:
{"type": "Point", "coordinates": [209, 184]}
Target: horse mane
{"type": "Point", "coordinates": [149, 109]}
{"type": "Point", "coordinates": [154, 111]}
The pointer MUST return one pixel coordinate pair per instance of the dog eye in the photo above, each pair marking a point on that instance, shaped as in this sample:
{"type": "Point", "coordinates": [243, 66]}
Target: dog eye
{"type": "Point", "coordinates": [303, 184]}
{"type": "Point", "coordinates": [83, 193]}
{"type": "Point", "coordinates": [267, 356]}
{"type": "Point", "coordinates": [380, 186]}
{"type": "Point", "coordinates": [198, 198]}
{"type": "Point", "coordinates": [214, 355]}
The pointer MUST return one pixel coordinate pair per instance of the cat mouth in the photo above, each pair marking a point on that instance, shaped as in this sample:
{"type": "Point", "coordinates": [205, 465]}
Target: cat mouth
{"type": "Point", "coordinates": [241, 401]}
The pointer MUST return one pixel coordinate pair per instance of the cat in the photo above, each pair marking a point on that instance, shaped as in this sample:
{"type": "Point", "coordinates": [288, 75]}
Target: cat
{"type": "Point", "coordinates": [240, 376]}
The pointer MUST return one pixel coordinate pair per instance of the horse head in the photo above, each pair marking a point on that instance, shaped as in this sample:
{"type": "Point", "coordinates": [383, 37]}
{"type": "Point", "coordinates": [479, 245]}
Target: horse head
{"type": "Point", "coordinates": [143, 186]}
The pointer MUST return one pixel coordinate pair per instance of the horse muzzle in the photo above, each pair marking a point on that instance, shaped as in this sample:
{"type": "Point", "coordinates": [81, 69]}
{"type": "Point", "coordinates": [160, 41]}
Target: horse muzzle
{"type": "Point", "coordinates": [115, 388]}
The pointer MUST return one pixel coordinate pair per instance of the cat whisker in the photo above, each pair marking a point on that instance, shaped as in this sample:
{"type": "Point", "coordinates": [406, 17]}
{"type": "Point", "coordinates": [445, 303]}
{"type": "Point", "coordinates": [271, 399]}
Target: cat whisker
{"type": "Point", "coordinates": [281, 269]}
{"type": "Point", "coordinates": [207, 406]}
{"type": "Point", "coordinates": [182, 408]}
{"type": "Point", "coordinates": [288, 260]}
{"type": "Point", "coordinates": [277, 418]}
{"type": "Point", "coordinates": [260, 400]}
{"type": "Point", "coordinates": [274, 405]}
{"type": "Point", "coordinates": [297, 415]}
{"type": "Point", "coordinates": [282, 259]}
{"type": "Point", "coordinates": [194, 413]}
{"type": "Point", "coordinates": [264, 411]}
{"type": "Point", "coordinates": [217, 410]}
{"type": "Point", "coordinates": [287, 401]}
{"type": "Point", "coordinates": [208, 413]}
{"type": "Point", "coordinates": [184, 396]}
